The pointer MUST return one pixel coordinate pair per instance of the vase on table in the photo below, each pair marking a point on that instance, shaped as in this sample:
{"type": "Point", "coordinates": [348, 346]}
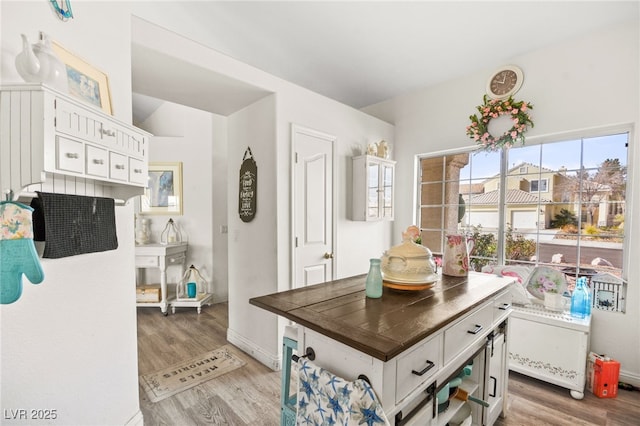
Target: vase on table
{"type": "Point", "coordinates": [457, 248]}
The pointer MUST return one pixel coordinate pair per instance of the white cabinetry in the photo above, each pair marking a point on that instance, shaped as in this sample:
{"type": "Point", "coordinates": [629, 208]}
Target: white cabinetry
{"type": "Point", "coordinates": [550, 346]}
{"type": "Point", "coordinates": [407, 384]}
{"type": "Point", "coordinates": [48, 136]}
{"type": "Point", "coordinates": [497, 375]}
{"type": "Point", "coordinates": [373, 188]}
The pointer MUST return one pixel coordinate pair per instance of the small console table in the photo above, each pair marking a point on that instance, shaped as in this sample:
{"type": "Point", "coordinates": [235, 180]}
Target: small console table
{"type": "Point", "coordinates": [161, 256]}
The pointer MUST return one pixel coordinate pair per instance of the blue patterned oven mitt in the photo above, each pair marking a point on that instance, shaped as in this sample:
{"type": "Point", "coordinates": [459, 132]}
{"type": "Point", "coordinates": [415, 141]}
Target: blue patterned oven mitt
{"type": "Point", "coordinates": [17, 251]}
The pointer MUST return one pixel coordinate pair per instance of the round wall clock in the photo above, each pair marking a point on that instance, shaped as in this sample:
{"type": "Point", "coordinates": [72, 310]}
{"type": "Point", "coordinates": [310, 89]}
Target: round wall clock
{"type": "Point", "coordinates": [504, 82]}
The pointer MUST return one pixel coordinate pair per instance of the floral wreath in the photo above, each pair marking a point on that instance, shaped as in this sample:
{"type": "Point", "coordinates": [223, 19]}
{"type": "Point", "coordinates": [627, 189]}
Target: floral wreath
{"type": "Point", "coordinates": [493, 108]}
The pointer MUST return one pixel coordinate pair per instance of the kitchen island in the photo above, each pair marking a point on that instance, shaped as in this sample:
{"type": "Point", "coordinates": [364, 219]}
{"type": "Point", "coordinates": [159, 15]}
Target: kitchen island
{"type": "Point", "coordinates": [408, 344]}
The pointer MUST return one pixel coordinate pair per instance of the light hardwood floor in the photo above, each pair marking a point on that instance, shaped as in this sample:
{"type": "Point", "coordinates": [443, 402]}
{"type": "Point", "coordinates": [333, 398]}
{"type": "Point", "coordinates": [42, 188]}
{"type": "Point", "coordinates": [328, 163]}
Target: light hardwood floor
{"type": "Point", "coordinates": [250, 395]}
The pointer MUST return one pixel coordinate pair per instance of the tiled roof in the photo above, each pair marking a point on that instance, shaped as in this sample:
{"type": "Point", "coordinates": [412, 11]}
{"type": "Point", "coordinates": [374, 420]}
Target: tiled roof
{"type": "Point", "coordinates": [514, 196]}
{"type": "Point", "coordinates": [524, 163]}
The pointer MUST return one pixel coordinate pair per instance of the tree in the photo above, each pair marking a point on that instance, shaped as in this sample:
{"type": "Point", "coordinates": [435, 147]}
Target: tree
{"type": "Point", "coordinates": [609, 180]}
{"type": "Point", "coordinates": [565, 217]}
{"type": "Point", "coordinates": [517, 247]}
{"type": "Point", "coordinates": [613, 175]}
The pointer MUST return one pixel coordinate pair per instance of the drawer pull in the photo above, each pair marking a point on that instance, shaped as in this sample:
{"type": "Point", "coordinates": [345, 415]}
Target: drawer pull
{"type": "Point", "coordinates": [73, 155]}
{"type": "Point", "coordinates": [119, 166]}
{"type": "Point", "coordinates": [495, 386]}
{"type": "Point", "coordinates": [429, 366]}
{"type": "Point", "coordinates": [505, 306]}
{"type": "Point", "coordinates": [107, 132]}
{"type": "Point", "coordinates": [476, 330]}
{"type": "Point", "coordinates": [137, 171]}
{"type": "Point", "coordinates": [97, 161]}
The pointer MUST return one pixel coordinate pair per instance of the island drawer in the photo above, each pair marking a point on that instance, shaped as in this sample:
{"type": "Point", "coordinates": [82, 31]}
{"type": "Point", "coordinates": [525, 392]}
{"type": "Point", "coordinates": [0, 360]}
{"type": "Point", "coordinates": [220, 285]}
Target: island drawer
{"type": "Point", "coordinates": [502, 306]}
{"type": "Point", "coordinates": [466, 331]}
{"type": "Point", "coordinates": [417, 365]}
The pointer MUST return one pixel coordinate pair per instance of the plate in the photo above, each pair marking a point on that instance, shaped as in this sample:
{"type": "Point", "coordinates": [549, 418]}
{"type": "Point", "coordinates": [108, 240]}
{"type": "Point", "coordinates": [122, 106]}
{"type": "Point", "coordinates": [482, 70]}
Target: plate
{"type": "Point", "coordinates": [407, 287]}
{"type": "Point", "coordinates": [545, 279]}
{"type": "Point", "coordinates": [520, 273]}
{"type": "Point", "coordinates": [393, 279]}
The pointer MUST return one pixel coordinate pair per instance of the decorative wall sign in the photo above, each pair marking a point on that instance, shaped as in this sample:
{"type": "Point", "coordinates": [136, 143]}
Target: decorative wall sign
{"type": "Point", "coordinates": [248, 187]}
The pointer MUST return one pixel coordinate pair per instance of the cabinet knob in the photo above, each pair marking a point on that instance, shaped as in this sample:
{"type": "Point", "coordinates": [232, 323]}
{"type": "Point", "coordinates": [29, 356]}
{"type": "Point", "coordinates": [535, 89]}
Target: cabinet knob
{"type": "Point", "coordinates": [328, 256]}
{"type": "Point", "coordinates": [73, 155]}
{"type": "Point", "coordinates": [137, 171]}
{"type": "Point", "coordinates": [119, 166]}
{"type": "Point", "coordinates": [98, 161]}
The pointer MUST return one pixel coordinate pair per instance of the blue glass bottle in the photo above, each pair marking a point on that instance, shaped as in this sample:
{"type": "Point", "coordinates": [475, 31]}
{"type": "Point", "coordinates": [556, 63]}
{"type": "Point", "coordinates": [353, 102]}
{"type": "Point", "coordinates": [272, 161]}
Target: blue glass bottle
{"type": "Point", "coordinates": [581, 299]}
{"type": "Point", "coordinates": [373, 288]}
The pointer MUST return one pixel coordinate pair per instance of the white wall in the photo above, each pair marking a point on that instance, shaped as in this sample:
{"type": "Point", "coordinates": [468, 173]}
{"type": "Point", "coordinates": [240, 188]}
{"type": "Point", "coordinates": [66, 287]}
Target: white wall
{"type": "Point", "coordinates": [201, 146]}
{"type": "Point", "coordinates": [69, 343]}
{"type": "Point", "coordinates": [252, 245]}
{"type": "Point", "coordinates": [260, 252]}
{"type": "Point", "coordinates": [590, 82]}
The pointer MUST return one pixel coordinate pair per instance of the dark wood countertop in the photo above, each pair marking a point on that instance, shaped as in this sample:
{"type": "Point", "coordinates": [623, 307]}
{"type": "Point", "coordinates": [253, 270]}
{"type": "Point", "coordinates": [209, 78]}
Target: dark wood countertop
{"type": "Point", "coordinates": [385, 327]}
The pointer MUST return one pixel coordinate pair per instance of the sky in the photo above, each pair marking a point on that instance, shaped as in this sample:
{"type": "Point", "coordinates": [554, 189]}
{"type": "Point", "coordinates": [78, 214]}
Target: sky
{"type": "Point", "coordinates": [552, 155]}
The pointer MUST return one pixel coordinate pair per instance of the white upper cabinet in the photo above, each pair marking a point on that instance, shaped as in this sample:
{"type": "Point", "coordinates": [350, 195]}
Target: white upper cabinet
{"type": "Point", "coordinates": [59, 144]}
{"type": "Point", "coordinates": [373, 188]}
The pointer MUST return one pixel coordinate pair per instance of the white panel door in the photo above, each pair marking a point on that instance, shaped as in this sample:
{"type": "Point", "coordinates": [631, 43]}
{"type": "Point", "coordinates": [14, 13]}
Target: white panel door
{"type": "Point", "coordinates": [313, 206]}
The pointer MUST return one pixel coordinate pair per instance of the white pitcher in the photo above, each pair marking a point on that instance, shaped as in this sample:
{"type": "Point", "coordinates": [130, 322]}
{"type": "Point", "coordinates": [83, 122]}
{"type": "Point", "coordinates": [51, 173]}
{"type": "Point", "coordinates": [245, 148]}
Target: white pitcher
{"type": "Point", "coordinates": [38, 63]}
{"type": "Point", "coordinates": [455, 261]}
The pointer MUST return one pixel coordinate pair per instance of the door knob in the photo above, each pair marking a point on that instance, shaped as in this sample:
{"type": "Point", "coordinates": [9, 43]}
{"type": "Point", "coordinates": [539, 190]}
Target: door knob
{"type": "Point", "coordinates": [328, 255]}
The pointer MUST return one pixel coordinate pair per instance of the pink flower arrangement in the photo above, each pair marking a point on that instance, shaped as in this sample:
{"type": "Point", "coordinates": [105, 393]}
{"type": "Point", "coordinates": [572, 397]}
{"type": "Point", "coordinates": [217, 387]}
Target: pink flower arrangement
{"type": "Point", "coordinates": [494, 108]}
{"type": "Point", "coordinates": [412, 233]}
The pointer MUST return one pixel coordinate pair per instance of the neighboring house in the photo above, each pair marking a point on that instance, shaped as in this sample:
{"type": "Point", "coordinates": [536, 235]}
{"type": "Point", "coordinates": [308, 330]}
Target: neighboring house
{"type": "Point", "coordinates": [525, 210]}
{"type": "Point", "coordinates": [535, 195]}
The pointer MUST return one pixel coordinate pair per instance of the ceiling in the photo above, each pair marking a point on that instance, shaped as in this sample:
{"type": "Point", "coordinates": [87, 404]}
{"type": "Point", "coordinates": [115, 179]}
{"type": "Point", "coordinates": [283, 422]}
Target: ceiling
{"type": "Point", "coordinates": [356, 52]}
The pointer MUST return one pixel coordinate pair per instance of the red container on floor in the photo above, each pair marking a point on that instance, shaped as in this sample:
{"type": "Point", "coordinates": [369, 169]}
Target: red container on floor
{"type": "Point", "coordinates": [602, 376]}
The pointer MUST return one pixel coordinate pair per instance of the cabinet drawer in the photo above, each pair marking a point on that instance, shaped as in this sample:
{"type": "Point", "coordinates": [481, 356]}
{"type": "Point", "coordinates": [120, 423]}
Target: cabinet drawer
{"type": "Point", "coordinates": [147, 262]}
{"type": "Point", "coordinates": [69, 155]}
{"type": "Point", "coordinates": [118, 166]}
{"type": "Point", "coordinates": [137, 171]}
{"type": "Point", "coordinates": [501, 306]}
{"type": "Point", "coordinates": [462, 334]}
{"type": "Point", "coordinates": [175, 259]}
{"type": "Point", "coordinates": [415, 367]}
{"type": "Point", "coordinates": [97, 161]}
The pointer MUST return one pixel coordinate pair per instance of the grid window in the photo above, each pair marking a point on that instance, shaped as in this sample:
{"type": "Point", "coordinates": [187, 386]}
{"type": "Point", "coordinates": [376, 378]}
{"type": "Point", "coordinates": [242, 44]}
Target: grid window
{"type": "Point", "coordinates": [561, 204]}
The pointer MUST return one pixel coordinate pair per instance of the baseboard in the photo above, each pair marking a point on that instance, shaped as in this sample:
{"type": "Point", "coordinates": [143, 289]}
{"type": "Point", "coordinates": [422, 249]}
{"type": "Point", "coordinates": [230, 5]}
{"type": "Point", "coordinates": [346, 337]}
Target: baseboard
{"type": "Point", "coordinates": [136, 420]}
{"type": "Point", "coordinates": [628, 377]}
{"type": "Point", "coordinates": [256, 352]}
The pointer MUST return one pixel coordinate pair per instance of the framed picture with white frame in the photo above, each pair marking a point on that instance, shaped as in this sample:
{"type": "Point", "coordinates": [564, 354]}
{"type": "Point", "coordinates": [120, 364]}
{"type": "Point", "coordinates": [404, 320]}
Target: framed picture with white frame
{"type": "Point", "coordinates": [163, 195]}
